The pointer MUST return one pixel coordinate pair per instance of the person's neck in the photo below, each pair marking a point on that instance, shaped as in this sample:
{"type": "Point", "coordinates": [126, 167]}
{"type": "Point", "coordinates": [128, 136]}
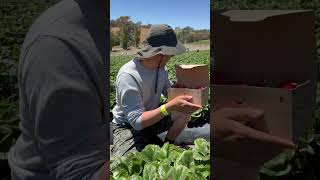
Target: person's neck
{"type": "Point", "coordinates": [149, 64]}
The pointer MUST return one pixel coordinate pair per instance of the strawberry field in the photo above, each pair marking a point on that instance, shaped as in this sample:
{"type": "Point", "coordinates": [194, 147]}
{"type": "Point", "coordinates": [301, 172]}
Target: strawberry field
{"type": "Point", "coordinates": [166, 162]}
{"type": "Point", "coordinates": [172, 161]}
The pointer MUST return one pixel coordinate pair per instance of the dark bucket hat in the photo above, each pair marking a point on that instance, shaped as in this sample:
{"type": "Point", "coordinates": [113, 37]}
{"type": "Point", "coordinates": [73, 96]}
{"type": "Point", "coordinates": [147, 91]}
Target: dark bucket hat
{"type": "Point", "coordinates": [161, 39]}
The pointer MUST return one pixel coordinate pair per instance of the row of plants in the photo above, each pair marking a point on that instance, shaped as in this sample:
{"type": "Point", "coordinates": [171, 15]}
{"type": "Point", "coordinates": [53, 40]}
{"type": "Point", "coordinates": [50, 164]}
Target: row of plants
{"type": "Point", "coordinates": [166, 162]}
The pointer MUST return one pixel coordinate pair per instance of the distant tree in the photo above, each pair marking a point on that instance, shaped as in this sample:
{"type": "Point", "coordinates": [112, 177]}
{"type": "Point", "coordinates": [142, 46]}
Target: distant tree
{"type": "Point", "coordinates": [139, 23]}
{"type": "Point", "coordinates": [126, 29]}
{"type": "Point", "coordinates": [136, 35]}
{"type": "Point", "coordinates": [114, 39]}
{"type": "Point", "coordinates": [122, 20]}
{"type": "Point", "coordinates": [188, 28]}
{"type": "Point", "coordinates": [188, 34]}
{"type": "Point", "coordinates": [129, 34]}
{"type": "Point", "coordinates": [124, 35]}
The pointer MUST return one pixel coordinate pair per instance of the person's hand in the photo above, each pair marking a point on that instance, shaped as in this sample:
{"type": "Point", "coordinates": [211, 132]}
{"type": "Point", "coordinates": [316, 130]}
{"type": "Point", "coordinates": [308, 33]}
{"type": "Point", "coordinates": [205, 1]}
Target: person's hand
{"type": "Point", "coordinates": [241, 134]}
{"type": "Point", "coordinates": [182, 104]}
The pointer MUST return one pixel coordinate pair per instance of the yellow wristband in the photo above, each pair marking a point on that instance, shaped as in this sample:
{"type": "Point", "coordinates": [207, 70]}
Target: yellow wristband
{"type": "Point", "coordinates": [163, 110]}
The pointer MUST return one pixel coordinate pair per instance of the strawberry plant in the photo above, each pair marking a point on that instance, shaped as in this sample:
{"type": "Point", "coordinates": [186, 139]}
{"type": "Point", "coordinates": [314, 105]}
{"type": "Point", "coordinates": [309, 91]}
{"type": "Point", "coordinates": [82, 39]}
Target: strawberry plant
{"type": "Point", "coordinates": [302, 163]}
{"type": "Point", "coordinates": [200, 117]}
{"type": "Point", "coordinates": [166, 162]}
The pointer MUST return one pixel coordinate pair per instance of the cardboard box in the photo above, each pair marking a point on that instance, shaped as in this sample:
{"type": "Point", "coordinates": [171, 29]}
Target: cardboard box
{"type": "Point", "coordinates": [192, 76]}
{"type": "Point", "coordinates": [269, 46]}
{"type": "Point", "coordinates": [288, 113]}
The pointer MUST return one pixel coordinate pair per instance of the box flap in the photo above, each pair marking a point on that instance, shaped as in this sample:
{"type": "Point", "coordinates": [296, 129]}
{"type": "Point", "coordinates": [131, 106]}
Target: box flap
{"type": "Point", "coordinates": [278, 48]}
{"type": "Point", "coordinates": [256, 15]}
{"type": "Point", "coordinates": [193, 75]}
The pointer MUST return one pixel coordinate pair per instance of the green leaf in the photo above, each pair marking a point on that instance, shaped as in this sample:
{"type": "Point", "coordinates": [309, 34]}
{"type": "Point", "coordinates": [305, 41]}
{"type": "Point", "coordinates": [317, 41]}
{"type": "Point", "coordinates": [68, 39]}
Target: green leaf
{"type": "Point", "coordinates": [136, 168]}
{"type": "Point", "coordinates": [186, 158]}
{"type": "Point", "coordinates": [196, 176]}
{"type": "Point", "coordinates": [202, 169]}
{"type": "Point", "coordinates": [173, 156]}
{"type": "Point", "coordinates": [201, 150]}
{"type": "Point", "coordinates": [279, 166]}
{"type": "Point", "coordinates": [178, 172]}
{"type": "Point", "coordinates": [308, 149]}
{"type": "Point", "coordinates": [163, 152]}
{"type": "Point", "coordinates": [149, 172]}
{"type": "Point", "coordinates": [124, 166]}
{"type": "Point", "coordinates": [134, 163]}
{"type": "Point", "coordinates": [197, 113]}
{"type": "Point", "coordinates": [135, 177]}
{"type": "Point", "coordinates": [122, 178]}
{"type": "Point", "coordinates": [120, 173]}
{"type": "Point", "coordinates": [149, 153]}
{"type": "Point", "coordinates": [163, 170]}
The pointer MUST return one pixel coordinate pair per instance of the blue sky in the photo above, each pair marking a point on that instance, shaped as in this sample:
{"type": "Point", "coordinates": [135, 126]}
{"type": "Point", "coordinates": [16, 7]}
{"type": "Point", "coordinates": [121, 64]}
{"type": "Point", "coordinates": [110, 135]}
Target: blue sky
{"type": "Point", "coordinates": [182, 13]}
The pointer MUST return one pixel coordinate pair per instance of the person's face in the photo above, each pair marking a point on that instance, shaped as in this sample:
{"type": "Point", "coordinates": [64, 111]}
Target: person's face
{"type": "Point", "coordinates": [164, 60]}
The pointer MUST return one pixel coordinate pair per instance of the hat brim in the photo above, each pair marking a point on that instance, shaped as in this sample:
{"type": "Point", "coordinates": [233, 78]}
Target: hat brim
{"type": "Point", "coordinates": [148, 51]}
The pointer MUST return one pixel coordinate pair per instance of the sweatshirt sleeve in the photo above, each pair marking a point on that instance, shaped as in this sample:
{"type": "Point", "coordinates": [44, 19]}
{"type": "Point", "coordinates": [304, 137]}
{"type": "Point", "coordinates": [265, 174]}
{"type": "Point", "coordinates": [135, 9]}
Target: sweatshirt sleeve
{"type": "Point", "coordinates": [65, 107]}
{"type": "Point", "coordinates": [130, 99]}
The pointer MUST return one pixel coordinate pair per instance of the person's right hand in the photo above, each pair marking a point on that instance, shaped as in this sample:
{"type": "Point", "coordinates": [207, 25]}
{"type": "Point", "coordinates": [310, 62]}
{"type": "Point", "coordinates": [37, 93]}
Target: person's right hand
{"type": "Point", "coordinates": [182, 104]}
{"type": "Point", "coordinates": [241, 134]}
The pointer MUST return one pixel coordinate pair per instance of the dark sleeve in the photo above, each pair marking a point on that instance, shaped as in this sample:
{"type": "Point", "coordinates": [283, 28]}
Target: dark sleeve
{"type": "Point", "coordinates": [66, 108]}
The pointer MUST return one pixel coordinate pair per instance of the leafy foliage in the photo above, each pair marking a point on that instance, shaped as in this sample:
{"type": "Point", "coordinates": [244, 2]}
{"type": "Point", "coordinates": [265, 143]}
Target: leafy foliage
{"type": "Point", "coordinates": [114, 39]}
{"type": "Point", "coordinates": [129, 32]}
{"type": "Point", "coordinates": [166, 162]}
{"type": "Point", "coordinates": [188, 34]}
{"type": "Point", "coordinates": [302, 163]}
{"type": "Point", "coordinates": [9, 121]}
{"type": "Point", "coordinates": [200, 117]}
{"type": "Point", "coordinates": [16, 18]}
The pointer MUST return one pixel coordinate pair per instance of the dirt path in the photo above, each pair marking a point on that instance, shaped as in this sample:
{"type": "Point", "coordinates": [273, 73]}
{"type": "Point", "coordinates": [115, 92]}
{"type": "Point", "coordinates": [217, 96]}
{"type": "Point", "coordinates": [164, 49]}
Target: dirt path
{"type": "Point", "coordinates": [117, 51]}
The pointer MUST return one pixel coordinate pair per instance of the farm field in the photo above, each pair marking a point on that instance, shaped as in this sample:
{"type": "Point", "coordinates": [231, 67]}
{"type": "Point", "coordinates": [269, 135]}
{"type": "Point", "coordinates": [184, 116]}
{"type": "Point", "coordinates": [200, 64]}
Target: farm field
{"type": "Point", "coordinates": [193, 46]}
{"type": "Point", "coordinates": [201, 57]}
{"type": "Point", "coordinates": [166, 162]}
{"type": "Point", "coordinates": [169, 160]}
{"type": "Point", "coordinates": [201, 42]}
